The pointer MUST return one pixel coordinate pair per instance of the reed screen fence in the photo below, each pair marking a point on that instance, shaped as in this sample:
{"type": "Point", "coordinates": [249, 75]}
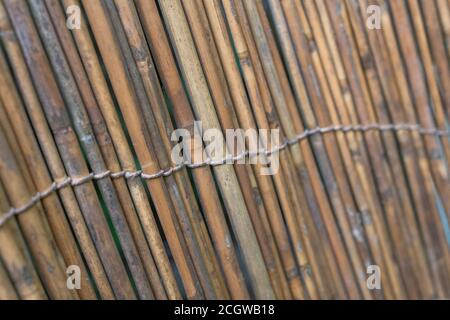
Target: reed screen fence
{"type": "Point", "coordinates": [93, 204]}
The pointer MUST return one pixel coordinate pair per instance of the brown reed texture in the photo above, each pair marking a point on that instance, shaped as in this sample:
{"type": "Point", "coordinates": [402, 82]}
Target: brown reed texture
{"type": "Point", "coordinates": [346, 197]}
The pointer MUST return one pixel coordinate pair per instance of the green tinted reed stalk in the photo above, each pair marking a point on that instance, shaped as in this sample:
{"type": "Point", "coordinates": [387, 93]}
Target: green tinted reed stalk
{"type": "Point", "coordinates": [51, 155]}
{"type": "Point", "coordinates": [41, 180]}
{"type": "Point", "coordinates": [190, 217]}
{"type": "Point", "coordinates": [106, 146]}
{"type": "Point", "coordinates": [90, 146]}
{"type": "Point", "coordinates": [105, 101]}
{"type": "Point", "coordinates": [203, 178]}
{"type": "Point", "coordinates": [69, 149]}
{"type": "Point", "coordinates": [226, 178]}
{"type": "Point", "coordinates": [148, 97]}
{"type": "Point", "coordinates": [16, 257]}
{"type": "Point", "coordinates": [128, 102]}
{"type": "Point", "coordinates": [252, 195]}
{"type": "Point", "coordinates": [33, 224]}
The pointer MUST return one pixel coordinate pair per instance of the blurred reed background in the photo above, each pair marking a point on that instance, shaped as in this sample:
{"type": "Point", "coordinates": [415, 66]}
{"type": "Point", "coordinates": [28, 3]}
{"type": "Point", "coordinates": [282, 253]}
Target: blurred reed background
{"type": "Point", "coordinates": [87, 178]}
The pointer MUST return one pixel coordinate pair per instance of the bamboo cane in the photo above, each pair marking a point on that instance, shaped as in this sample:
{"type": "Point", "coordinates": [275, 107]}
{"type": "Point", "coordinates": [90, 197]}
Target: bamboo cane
{"type": "Point", "coordinates": [51, 155]}
{"type": "Point", "coordinates": [384, 177]}
{"type": "Point", "coordinates": [41, 178]}
{"type": "Point", "coordinates": [228, 121]}
{"type": "Point", "coordinates": [378, 220]}
{"type": "Point", "coordinates": [432, 78]}
{"type": "Point", "coordinates": [105, 101]}
{"type": "Point", "coordinates": [34, 226]}
{"type": "Point", "coordinates": [424, 163]}
{"type": "Point", "coordinates": [106, 147]}
{"type": "Point", "coordinates": [160, 111]}
{"type": "Point", "coordinates": [88, 142]}
{"type": "Point", "coordinates": [139, 135]}
{"type": "Point", "coordinates": [25, 175]}
{"type": "Point", "coordinates": [419, 92]}
{"type": "Point", "coordinates": [270, 68]}
{"type": "Point", "coordinates": [330, 142]}
{"type": "Point", "coordinates": [334, 277]}
{"type": "Point", "coordinates": [150, 97]}
{"type": "Point", "coordinates": [368, 201]}
{"type": "Point", "coordinates": [423, 199]}
{"type": "Point", "coordinates": [394, 162]}
{"type": "Point", "coordinates": [437, 47]}
{"type": "Point", "coordinates": [394, 157]}
{"type": "Point", "coordinates": [99, 96]}
{"type": "Point", "coordinates": [399, 232]}
{"type": "Point", "coordinates": [347, 144]}
{"type": "Point", "coordinates": [291, 125]}
{"type": "Point", "coordinates": [204, 108]}
{"type": "Point", "coordinates": [69, 150]}
{"type": "Point", "coordinates": [347, 154]}
{"type": "Point", "coordinates": [16, 258]}
{"type": "Point", "coordinates": [444, 14]}
{"type": "Point", "coordinates": [244, 112]}
{"type": "Point", "coordinates": [422, 108]}
{"type": "Point", "coordinates": [203, 176]}
{"type": "Point", "coordinates": [400, 15]}
{"type": "Point", "coordinates": [319, 147]}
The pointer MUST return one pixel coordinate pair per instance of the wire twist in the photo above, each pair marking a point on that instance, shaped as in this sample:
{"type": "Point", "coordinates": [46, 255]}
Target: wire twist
{"type": "Point", "coordinates": [74, 182]}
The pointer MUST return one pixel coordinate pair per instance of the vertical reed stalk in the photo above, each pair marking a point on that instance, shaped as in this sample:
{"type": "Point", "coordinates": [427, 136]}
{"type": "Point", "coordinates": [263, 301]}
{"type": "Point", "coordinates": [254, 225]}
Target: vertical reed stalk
{"type": "Point", "coordinates": [90, 146]}
{"type": "Point", "coordinates": [33, 224]}
{"type": "Point", "coordinates": [141, 141]}
{"type": "Point", "coordinates": [149, 97]}
{"type": "Point", "coordinates": [209, 58]}
{"type": "Point", "coordinates": [105, 101]}
{"type": "Point", "coordinates": [51, 155]}
{"type": "Point", "coordinates": [107, 148]}
{"type": "Point", "coordinates": [16, 257]}
{"type": "Point", "coordinates": [69, 149]}
{"type": "Point", "coordinates": [226, 178]}
{"type": "Point", "coordinates": [40, 176]}
{"type": "Point", "coordinates": [203, 177]}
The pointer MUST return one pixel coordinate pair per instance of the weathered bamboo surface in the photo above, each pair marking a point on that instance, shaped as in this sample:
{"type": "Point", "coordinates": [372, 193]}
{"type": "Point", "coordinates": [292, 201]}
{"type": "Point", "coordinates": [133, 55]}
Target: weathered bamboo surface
{"type": "Point", "coordinates": [347, 197]}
